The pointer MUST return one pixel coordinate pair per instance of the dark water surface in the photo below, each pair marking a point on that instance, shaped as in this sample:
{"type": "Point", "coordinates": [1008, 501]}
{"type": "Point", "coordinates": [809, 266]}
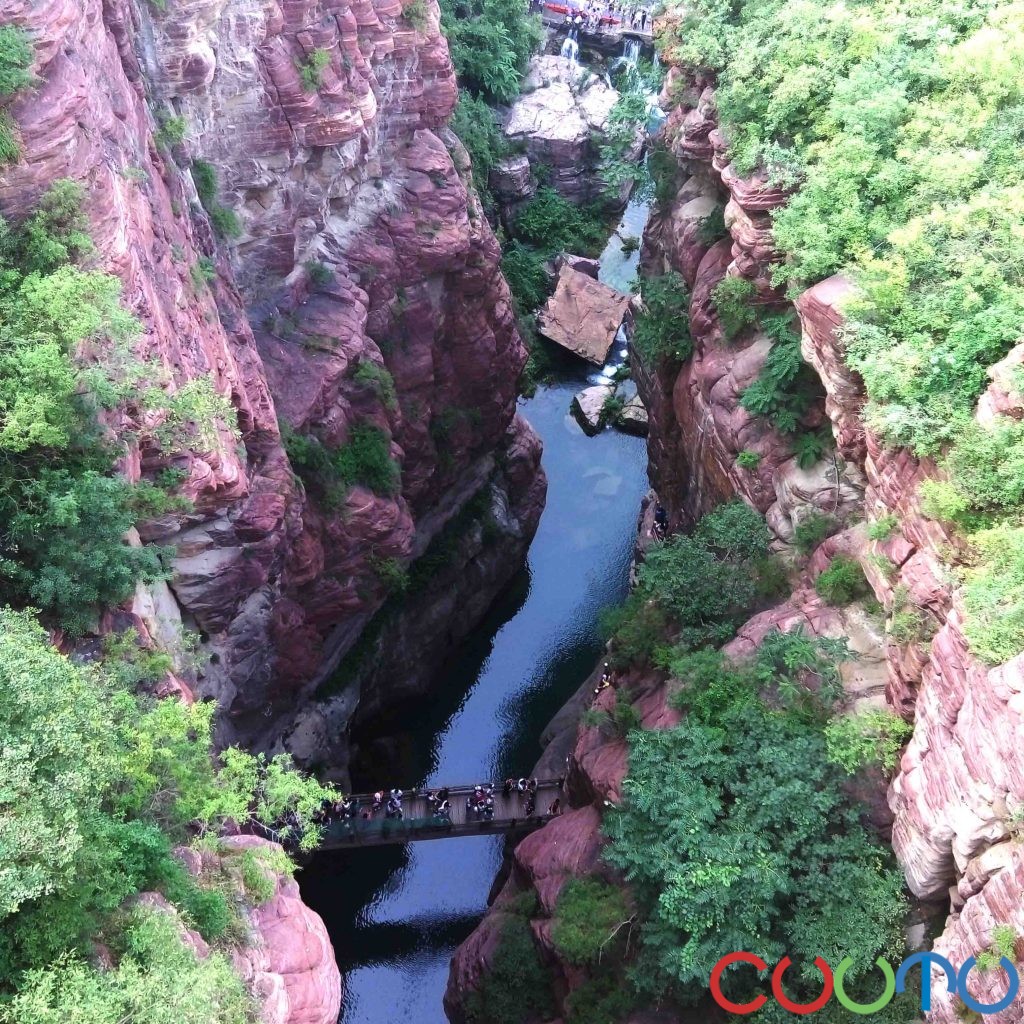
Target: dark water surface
{"type": "Point", "coordinates": [396, 914]}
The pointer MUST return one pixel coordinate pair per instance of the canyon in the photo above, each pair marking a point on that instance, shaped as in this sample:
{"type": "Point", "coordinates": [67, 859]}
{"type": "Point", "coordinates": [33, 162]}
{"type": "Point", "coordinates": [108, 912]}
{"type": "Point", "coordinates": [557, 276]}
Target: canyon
{"type": "Point", "coordinates": [304, 233]}
{"type": "Point", "coordinates": [951, 807]}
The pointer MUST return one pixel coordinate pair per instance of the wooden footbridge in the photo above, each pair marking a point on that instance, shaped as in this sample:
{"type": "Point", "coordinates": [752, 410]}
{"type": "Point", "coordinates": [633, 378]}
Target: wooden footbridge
{"type": "Point", "coordinates": [419, 820]}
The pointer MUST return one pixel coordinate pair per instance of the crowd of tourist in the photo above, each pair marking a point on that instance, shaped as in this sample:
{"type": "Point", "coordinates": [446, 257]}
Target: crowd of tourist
{"type": "Point", "coordinates": [591, 15]}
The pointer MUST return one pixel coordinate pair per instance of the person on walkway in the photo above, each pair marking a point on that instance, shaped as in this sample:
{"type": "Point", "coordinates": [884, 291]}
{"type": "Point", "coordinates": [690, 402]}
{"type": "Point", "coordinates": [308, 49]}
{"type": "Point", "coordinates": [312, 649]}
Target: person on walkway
{"type": "Point", "coordinates": [555, 807]}
{"type": "Point", "coordinates": [606, 679]}
{"type": "Point", "coordinates": [510, 784]}
{"type": "Point", "coordinates": [378, 800]}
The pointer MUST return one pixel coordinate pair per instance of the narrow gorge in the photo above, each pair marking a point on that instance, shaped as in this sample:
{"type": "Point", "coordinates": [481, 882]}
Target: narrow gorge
{"type": "Point", "coordinates": [303, 497]}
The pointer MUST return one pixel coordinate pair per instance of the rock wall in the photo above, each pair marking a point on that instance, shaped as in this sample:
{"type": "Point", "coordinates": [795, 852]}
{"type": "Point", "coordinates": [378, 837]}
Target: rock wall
{"type": "Point", "coordinates": [698, 426]}
{"type": "Point", "coordinates": [287, 960]}
{"type": "Point", "coordinates": [955, 799]}
{"type": "Point", "coordinates": [955, 805]}
{"type": "Point", "coordinates": [559, 121]}
{"type": "Point", "coordinates": [360, 243]}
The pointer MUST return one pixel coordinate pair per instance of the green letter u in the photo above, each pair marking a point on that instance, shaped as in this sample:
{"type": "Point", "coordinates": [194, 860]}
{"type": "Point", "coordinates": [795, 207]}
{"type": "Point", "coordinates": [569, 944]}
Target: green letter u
{"type": "Point", "coordinates": [863, 1009]}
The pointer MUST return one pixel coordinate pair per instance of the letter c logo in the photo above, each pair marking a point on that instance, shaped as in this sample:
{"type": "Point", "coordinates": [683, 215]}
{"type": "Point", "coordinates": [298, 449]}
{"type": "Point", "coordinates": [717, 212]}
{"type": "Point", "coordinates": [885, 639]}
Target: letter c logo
{"type": "Point", "coordinates": [781, 967]}
{"type": "Point", "coordinates": [757, 1002]}
{"type": "Point", "coordinates": [984, 1008]}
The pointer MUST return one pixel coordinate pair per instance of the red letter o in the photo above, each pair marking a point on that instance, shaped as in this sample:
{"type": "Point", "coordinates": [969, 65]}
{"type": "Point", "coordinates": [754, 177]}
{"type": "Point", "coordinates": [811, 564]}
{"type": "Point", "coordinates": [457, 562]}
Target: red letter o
{"type": "Point", "coordinates": [757, 1002]}
{"type": "Point", "coordinates": [784, 1001]}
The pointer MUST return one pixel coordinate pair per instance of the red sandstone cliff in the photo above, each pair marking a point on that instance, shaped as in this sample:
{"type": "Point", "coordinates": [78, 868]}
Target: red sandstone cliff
{"type": "Point", "coordinates": [361, 242]}
{"type": "Point", "coordinates": [954, 806]}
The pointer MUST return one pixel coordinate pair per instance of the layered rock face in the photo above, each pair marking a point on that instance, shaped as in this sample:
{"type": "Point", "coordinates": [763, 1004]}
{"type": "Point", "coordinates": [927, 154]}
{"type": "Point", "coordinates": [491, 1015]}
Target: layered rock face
{"type": "Point", "coordinates": [559, 120]}
{"type": "Point", "coordinates": [359, 246]}
{"type": "Point", "coordinates": [698, 426]}
{"type": "Point", "coordinates": [287, 960]}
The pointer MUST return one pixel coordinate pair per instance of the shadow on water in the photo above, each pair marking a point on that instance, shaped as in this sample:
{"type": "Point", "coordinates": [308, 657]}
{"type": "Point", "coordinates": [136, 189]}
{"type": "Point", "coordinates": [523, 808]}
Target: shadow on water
{"type": "Point", "coordinates": [396, 914]}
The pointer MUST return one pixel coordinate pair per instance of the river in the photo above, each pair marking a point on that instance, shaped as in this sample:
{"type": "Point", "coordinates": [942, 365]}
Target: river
{"type": "Point", "coordinates": [395, 914]}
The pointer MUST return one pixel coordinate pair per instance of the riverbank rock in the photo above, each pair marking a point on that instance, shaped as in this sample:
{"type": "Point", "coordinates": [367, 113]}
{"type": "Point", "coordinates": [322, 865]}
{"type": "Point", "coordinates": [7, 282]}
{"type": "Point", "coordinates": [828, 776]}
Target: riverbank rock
{"type": "Point", "coordinates": [512, 181]}
{"type": "Point", "coordinates": [560, 119]}
{"type": "Point", "coordinates": [583, 315]}
{"type": "Point", "coordinates": [588, 407]}
{"type": "Point", "coordinates": [633, 418]}
{"type": "Point", "coordinates": [287, 960]}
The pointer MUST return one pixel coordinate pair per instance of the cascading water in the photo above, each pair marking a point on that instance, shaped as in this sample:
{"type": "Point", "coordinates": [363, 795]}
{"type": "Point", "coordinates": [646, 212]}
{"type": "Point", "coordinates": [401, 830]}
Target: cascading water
{"type": "Point", "coordinates": [571, 50]}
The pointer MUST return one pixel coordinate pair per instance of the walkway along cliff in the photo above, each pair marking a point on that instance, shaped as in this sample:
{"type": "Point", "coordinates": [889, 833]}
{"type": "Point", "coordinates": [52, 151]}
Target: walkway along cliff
{"type": "Point", "coordinates": [952, 805]}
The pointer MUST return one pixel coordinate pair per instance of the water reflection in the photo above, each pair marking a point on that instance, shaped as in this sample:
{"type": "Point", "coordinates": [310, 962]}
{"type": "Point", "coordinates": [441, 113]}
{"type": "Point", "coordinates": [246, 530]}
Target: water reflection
{"type": "Point", "coordinates": [395, 914]}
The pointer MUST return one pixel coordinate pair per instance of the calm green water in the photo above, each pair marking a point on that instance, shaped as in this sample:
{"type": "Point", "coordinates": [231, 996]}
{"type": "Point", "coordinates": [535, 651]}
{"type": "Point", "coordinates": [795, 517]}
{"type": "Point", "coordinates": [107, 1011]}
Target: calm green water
{"type": "Point", "coordinates": [396, 914]}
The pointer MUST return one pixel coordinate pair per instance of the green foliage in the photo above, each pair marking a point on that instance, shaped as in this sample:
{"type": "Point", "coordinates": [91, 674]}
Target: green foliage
{"type": "Point", "coordinates": [224, 220]}
{"type": "Point", "coordinates": [626, 120]}
{"type": "Point", "coordinates": [517, 986]}
{"type": "Point", "coordinates": [64, 517]}
{"type": "Point", "coordinates": [202, 272]}
{"type": "Point", "coordinates": [707, 597]}
{"type": "Point", "coordinates": [172, 131]}
{"type": "Point", "coordinates": [883, 527]}
{"type": "Point", "coordinates": [734, 305]}
{"type": "Point", "coordinates": [157, 980]}
{"type": "Point", "coordinates": [378, 379]}
{"type": "Point", "coordinates": [842, 582]}
{"type": "Point", "coordinates": [312, 68]}
{"type": "Point", "coordinates": [588, 922]}
{"type": "Point", "coordinates": [664, 172]}
{"type": "Point", "coordinates": [477, 127]}
{"type": "Point", "coordinates": [748, 460]}
{"type": "Point", "coordinates": [637, 627]}
{"type": "Point", "coordinates": [697, 588]}
{"type": "Point", "coordinates": [786, 387]}
{"type": "Point", "coordinates": [259, 882]}
{"type": "Point", "coordinates": [99, 785]}
{"type": "Point", "coordinates": [605, 999]}
{"type": "Point", "coordinates": [662, 326]}
{"type": "Point", "coordinates": [364, 460]}
{"type": "Point", "coordinates": [415, 13]}
{"type": "Point", "coordinates": [867, 737]}
{"type": "Point", "coordinates": [523, 267]}
{"type": "Point", "coordinates": [319, 273]}
{"type": "Point", "coordinates": [735, 834]}
{"type": "Point", "coordinates": [712, 227]}
{"type": "Point", "coordinates": [812, 530]}
{"type": "Point", "coordinates": [65, 545]}
{"type": "Point", "coordinates": [391, 572]}
{"type": "Point", "coordinates": [16, 56]}
{"type": "Point", "coordinates": [9, 148]}
{"type": "Point", "coordinates": [994, 595]}
{"type": "Point", "coordinates": [552, 224]}
{"type": "Point", "coordinates": [491, 42]}
{"type": "Point", "coordinates": [735, 532]}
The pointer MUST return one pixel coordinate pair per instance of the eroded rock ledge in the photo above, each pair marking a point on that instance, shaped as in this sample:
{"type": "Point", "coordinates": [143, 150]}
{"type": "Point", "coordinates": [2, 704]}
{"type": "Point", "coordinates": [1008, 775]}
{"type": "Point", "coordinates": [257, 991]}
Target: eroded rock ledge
{"type": "Point", "coordinates": [361, 243]}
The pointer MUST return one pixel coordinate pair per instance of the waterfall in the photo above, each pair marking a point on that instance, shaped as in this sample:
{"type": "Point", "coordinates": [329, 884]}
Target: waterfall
{"type": "Point", "coordinates": [571, 49]}
{"type": "Point", "coordinates": [630, 52]}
